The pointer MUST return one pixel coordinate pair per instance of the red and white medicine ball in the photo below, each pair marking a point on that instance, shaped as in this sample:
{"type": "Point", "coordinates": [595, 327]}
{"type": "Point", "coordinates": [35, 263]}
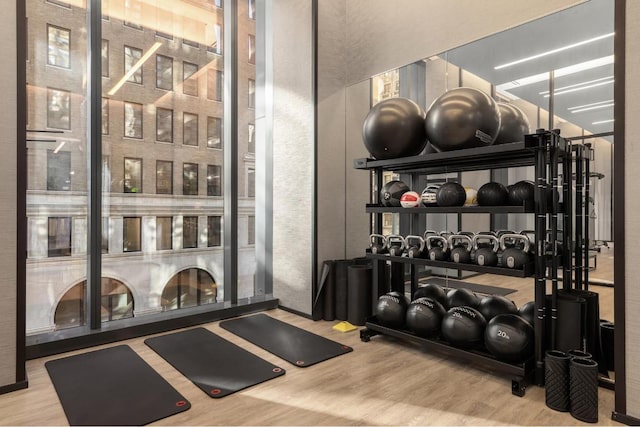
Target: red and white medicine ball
{"type": "Point", "coordinates": [410, 199]}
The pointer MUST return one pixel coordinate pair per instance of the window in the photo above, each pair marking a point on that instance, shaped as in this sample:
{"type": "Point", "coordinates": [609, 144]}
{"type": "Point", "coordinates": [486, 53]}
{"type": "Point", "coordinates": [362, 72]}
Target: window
{"type": "Point", "coordinates": [215, 46]}
{"type": "Point", "coordinates": [105, 116]}
{"type": "Point", "coordinates": [214, 132]}
{"type": "Point", "coordinates": [214, 180]}
{"type": "Point", "coordinates": [105, 235]}
{"type": "Point", "coordinates": [132, 175]}
{"type": "Point", "coordinates": [133, 120]}
{"type": "Point", "coordinates": [190, 79]}
{"type": "Point", "coordinates": [131, 234]}
{"type": "Point", "coordinates": [251, 230]}
{"type": "Point", "coordinates": [105, 58]}
{"type": "Point", "coordinates": [59, 231]}
{"type": "Point", "coordinates": [133, 13]}
{"type": "Point", "coordinates": [252, 9]}
{"type": "Point", "coordinates": [190, 129]}
{"type": "Point", "coordinates": [164, 72]}
{"type": "Point", "coordinates": [251, 145]}
{"type": "Point", "coordinates": [58, 46]}
{"type": "Point", "coordinates": [58, 170]}
{"type": "Point", "coordinates": [106, 175]}
{"type": "Point", "coordinates": [191, 43]}
{"type": "Point", "coordinates": [164, 233]}
{"type": "Point", "coordinates": [131, 57]}
{"type": "Point", "coordinates": [164, 177]}
{"type": "Point", "coordinates": [60, 3]}
{"type": "Point", "coordinates": [251, 182]}
{"type": "Point", "coordinates": [214, 231]}
{"type": "Point", "coordinates": [218, 3]}
{"type": "Point", "coordinates": [189, 288]}
{"type": "Point", "coordinates": [190, 179]}
{"type": "Point", "coordinates": [252, 49]}
{"type": "Point", "coordinates": [252, 93]}
{"type": "Point", "coordinates": [190, 232]}
{"type": "Point", "coordinates": [214, 84]}
{"type": "Point", "coordinates": [58, 109]}
{"type": "Point", "coordinates": [164, 125]}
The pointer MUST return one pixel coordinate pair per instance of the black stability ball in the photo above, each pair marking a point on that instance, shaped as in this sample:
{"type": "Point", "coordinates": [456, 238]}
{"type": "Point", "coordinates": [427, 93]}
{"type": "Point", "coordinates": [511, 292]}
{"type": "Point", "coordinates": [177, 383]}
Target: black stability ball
{"type": "Point", "coordinates": [395, 128]}
{"type": "Point", "coordinates": [528, 312]}
{"type": "Point", "coordinates": [509, 337]}
{"type": "Point", "coordinates": [433, 291]}
{"type": "Point", "coordinates": [391, 193]}
{"type": "Point", "coordinates": [521, 192]}
{"type": "Point", "coordinates": [493, 305]}
{"type": "Point", "coordinates": [463, 327]}
{"type": "Point", "coordinates": [462, 118]}
{"type": "Point", "coordinates": [392, 309]}
{"type": "Point", "coordinates": [424, 317]}
{"type": "Point", "coordinates": [461, 297]}
{"type": "Point", "coordinates": [492, 194]}
{"type": "Point", "coordinates": [451, 194]}
{"type": "Point", "coordinates": [514, 124]}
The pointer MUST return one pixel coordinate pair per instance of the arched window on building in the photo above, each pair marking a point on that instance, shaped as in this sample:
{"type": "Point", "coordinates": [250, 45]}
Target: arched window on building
{"type": "Point", "coordinates": [189, 288]}
{"type": "Point", "coordinates": [117, 303]}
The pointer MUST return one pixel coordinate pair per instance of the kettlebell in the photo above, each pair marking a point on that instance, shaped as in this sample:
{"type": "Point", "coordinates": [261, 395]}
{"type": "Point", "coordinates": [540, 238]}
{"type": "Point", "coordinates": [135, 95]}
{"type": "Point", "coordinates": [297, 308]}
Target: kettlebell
{"type": "Point", "coordinates": [461, 252]}
{"type": "Point", "coordinates": [515, 257]}
{"type": "Point", "coordinates": [395, 244]}
{"type": "Point", "coordinates": [486, 255]}
{"type": "Point", "coordinates": [437, 252]}
{"type": "Point", "coordinates": [531, 236]}
{"type": "Point", "coordinates": [414, 246]}
{"type": "Point", "coordinates": [378, 244]}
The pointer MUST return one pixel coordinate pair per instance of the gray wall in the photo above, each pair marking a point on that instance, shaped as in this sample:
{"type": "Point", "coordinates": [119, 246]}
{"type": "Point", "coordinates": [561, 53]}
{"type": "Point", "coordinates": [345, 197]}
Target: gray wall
{"type": "Point", "coordinates": [8, 193]}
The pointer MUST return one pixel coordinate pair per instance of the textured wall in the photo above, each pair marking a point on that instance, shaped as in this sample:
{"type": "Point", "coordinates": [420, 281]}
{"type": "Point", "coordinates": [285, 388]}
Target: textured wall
{"type": "Point", "coordinates": [8, 196]}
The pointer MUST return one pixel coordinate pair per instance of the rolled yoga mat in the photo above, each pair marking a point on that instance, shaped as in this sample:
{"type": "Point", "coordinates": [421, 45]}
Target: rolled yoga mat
{"type": "Point", "coordinates": [360, 298]}
{"type": "Point", "coordinates": [341, 284]}
{"type": "Point", "coordinates": [607, 330]}
{"type": "Point", "coordinates": [328, 290]}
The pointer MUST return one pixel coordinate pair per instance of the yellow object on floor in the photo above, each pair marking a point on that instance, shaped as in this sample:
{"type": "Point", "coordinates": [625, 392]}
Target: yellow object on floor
{"type": "Point", "coordinates": [344, 327]}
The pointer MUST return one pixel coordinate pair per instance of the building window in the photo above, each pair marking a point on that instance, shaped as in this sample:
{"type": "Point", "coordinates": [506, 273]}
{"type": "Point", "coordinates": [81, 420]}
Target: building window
{"type": "Point", "coordinates": [131, 57]}
{"type": "Point", "coordinates": [214, 180]}
{"type": "Point", "coordinates": [191, 43]}
{"type": "Point", "coordinates": [60, 3]}
{"type": "Point", "coordinates": [164, 125]}
{"type": "Point", "coordinates": [252, 9]}
{"type": "Point", "coordinates": [164, 177]}
{"type": "Point", "coordinates": [164, 233]}
{"type": "Point", "coordinates": [58, 106]}
{"type": "Point", "coordinates": [189, 232]}
{"type": "Point", "coordinates": [214, 231]}
{"type": "Point", "coordinates": [252, 49]}
{"type": "Point", "coordinates": [132, 175]}
{"type": "Point", "coordinates": [105, 116]}
{"type": "Point", "coordinates": [131, 234]}
{"type": "Point", "coordinates": [189, 288]}
{"type": "Point", "coordinates": [251, 182]}
{"type": "Point", "coordinates": [252, 93]}
{"type": "Point", "coordinates": [190, 129]}
{"type": "Point", "coordinates": [58, 46]}
{"type": "Point", "coordinates": [216, 45]}
{"type": "Point", "coordinates": [105, 236]}
{"type": "Point", "coordinates": [214, 132]}
{"type": "Point", "coordinates": [190, 179]}
{"type": "Point", "coordinates": [190, 79]}
{"type": "Point", "coordinates": [133, 120]}
{"type": "Point", "coordinates": [251, 230]}
{"type": "Point", "coordinates": [59, 232]}
{"type": "Point", "coordinates": [251, 146]}
{"type": "Point", "coordinates": [105, 58]}
{"type": "Point", "coordinates": [58, 170]}
{"type": "Point", "coordinates": [133, 13]}
{"type": "Point", "coordinates": [218, 3]}
{"type": "Point", "coordinates": [164, 72]}
{"type": "Point", "coordinates": [106, 175]}
{"type": "Point", "coordinates": [214, 84]}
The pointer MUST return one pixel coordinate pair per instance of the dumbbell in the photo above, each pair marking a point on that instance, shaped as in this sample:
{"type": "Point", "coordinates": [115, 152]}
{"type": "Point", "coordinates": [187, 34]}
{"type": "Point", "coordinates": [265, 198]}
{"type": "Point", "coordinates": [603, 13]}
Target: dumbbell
{"type": "Point", "coordinates": [378, 244]}
{"type": "Point", "coordinates": [414, 246]}
{"type": "Point", "coordinates": [461, 248]}
{"type": "Point", "coordinates": [435, 251]}
{"type": "Point", "coordinates": [486, 254]}
{"type": "Point", "coordinates": [395, 244]}
{"type": "Point", "coordinates": [514, 256]}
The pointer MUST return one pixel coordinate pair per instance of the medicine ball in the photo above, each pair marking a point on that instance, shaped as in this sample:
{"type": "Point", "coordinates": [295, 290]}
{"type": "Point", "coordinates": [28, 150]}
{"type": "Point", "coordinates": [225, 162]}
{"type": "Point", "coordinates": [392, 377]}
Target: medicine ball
{"type": "Point", "coordinates": [394, 128]}
{"type": "Point", "coordinates": [424, 317]}
{"type": "Point", "coordinates": [392, 309]}
{"type": "Point", "coordinates": [521, 192]}
{"type": "Point", "coordinates": [528, 312]}
{"type": "Point", "coordinates": [463, 327]}
{"type": "Point", "coordinates": [451, 194]}
{"type": "Point", "coordinates": [472, 196]}
{"type": "Point", "coordinates": [429, 195]}
{"type": "Point", "coordinates": [493, 305]}
{"type": "Point", "coordinates": [392, 192]}
{"type": "Point", "coordinates": [462, 118]}
{"type": "Point", "coordinates": [461, 297]}
{"type": "Point", "coordinates": [492, 194]}
{"type": "Point", "coordinates": [432, 291]}
{"type": "Point", "coordinates": [514, 124]}
{"type": "Point", "coordinates": [510, 338]}
{"type": "Point", "coordinates": [410, 199]}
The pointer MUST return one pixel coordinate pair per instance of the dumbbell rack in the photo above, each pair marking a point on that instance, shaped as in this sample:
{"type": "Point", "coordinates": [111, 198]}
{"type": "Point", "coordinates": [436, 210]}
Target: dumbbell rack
{"type": "Point", "coordinates": [546, 151]}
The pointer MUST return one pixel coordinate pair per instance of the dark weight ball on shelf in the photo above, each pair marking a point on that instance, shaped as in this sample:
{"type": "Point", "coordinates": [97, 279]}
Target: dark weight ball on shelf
{"type": "Point", "coordinates": [528, 312]}
{"type": "Point", "coordinates": [462, 297]}
{"type": "Point", "coordinates": [521, 192]}
{"type": "Point", "coordinates": [392, 309]}
{"type": "Point", "coordinates": [395, 128]}
{"type": "Point", "coordinates": [462, 118]}
{"type": "Point", "coordinates": [392, 192]}
{"type": "Point", "coordinates": [463, 327]}
{"type": "Point", "coordinates": [510, 338]}
{"type": "Point", "coordinates": [451, 194]}
{"type": "Point", "coordinates": [492, 194]}
{"type": "Point", "coordinates": [424, 317]}
{"type": "Point", "coordinates": [514, 124]}
{"type": "Point", "coordinates": [494, 305]}
{"type": "Point", "coordinates": [433, 291]}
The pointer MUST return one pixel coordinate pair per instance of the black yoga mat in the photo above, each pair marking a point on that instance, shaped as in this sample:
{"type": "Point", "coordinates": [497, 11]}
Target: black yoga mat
{"type": "Point", "coordinates": [113, 386]}
{"type": "Point", "coordinates": [286, 341]}
{"type": "Point", "coordinates": [474, 287]}
{"type": "Point", "coordinates": [217, 366]}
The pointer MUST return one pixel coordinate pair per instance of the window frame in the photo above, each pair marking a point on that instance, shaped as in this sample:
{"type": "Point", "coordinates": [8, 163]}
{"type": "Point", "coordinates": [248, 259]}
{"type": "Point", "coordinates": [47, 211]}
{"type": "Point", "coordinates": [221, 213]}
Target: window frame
{"type": "Point", "coordinates": [124, 234]}
{"type": "Point", "coordinates": [139, 70]}
{"type": "Point", "coordinates": [60, 252]}
{"type": "Point", "coordinates": [210, 187]}
{"type": "Point", "coordinates": [184, 228]}
{"type": "Point", "coordinates": [140, 178]}
{"type": "Point", "coordinates": [57, 27]}
{"type": "Point", "coordinates": [170, 163]}
{"type": "Point", "coordinates": [49, 169]}
{"type": "Point", "coordinates": [194, 117]}
{"type": "Point", "coordinates": [171, 127]}
{"type": "Point", "coordinates": [158, 239]}
{"type": "Point", "coordinates": [184, 181]}
{"type": "Point", "coordinates": [139, 107]}
{"type": "Point", "coordinates": [212, 237]}
{"type": "Point", "coordinates": [68, 95]}
{"type": "Point", "coordinates": [158, 57]}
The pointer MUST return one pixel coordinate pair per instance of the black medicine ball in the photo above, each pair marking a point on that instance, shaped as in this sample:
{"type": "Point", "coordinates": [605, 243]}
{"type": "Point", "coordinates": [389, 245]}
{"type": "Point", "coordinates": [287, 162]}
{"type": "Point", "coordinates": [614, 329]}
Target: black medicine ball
{"type": "Point", "coordinates": [528, 312]}
{"type": "Point", "coordinates": [492, 194]}
{"type": "Point", "coordinates": [424, 317]}
{"type": "Point", "coordinates": [510, 338]}
{"type": "Point", "coordinates": [391, 193]}
{"type": "Point", "coordinates": [521, 192]}
{"type": "Point", "coordinates": [451, 194]}
{"type": "Point", "coordinates": [392, 309]}
{"type": "Point", "coordinates": [493, 305]}
{"type": "Point", "coordinates": [462, 297]}
{"type": "Point", "coordinates": [433, 291]}
{"type": "Point", "coordinates": [463, 327]}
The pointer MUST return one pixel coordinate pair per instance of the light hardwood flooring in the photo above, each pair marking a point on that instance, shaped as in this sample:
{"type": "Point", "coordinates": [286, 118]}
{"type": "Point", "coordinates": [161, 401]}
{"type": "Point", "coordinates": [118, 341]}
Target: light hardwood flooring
{"type": "Point", "coordinates": [382, 382]}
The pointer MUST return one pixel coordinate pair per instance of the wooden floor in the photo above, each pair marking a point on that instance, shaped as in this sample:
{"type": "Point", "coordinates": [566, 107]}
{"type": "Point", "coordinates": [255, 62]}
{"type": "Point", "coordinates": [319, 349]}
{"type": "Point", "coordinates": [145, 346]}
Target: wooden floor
{"type": "Point", "coordinates": [382, 382]}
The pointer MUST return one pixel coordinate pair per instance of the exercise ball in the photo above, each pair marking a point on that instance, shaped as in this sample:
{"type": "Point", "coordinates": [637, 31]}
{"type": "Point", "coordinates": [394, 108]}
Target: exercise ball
{"type": "Point", "coordinates": [428, 195]}
{"type": "Point", "coordinates": [462, 118]}
{"type": "Point", "coordinates": [451, 194]}
{"type": "Point", "coordinates": [510, 338]}
{"type": "Point", "coordinates": [514, 124]}
{"type": "Point", "coordinates": [472, 196]}
{"type": "Point", "coordinates": [432, 291]}
{"type": "Point", "coordinates": [392, 192]}
{"type": "Point", "coordinates": [394, 128]}
{"type": "Point", "coordinates": [462, 297]}
{"type": "Point", "coordinates": [528, 312]}
{"type": "Point", "coordinates": [424, 317]}
{"type": "Point", "coordinates": [392, 309]}
{"type": "Point", "coordinates": [463, 327]}
{"type": "Point", "coordinates": [410, 199]}
{"type": "Point", "coordinates": [493, 305]}
{"type": "Point", "coordinates": [493, 194]}
{"type": "Point", "coordinates": [520, 193]}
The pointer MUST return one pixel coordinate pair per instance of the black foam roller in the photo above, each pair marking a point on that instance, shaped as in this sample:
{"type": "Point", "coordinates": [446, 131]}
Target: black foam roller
{"type": "Point", "coordinates": [593, 339]}
{"type": "Point", "coordinates": [341, 287]}
{"type": "Point", "coordinates": [556, 380]}
{"type": "Point", "coordinates": [329, 294]}
{"type": "Point", "coordinates": [359, 291]}
{"type": "Point", "coordinates": [317, 311]}
{"type": "Point", "coordinates": [583, 393]}
{"type": "Point", "coordinates": [607, 332]}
